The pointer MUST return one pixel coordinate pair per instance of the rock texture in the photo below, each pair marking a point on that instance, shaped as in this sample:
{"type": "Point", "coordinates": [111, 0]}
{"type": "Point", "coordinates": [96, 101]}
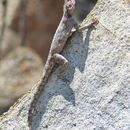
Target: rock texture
{"type": "Point", "coordinates": [37, 19]}
{"type": "Point", "coordinates": [9, 39]}
{"type": "Point", "coordinates": [94, 92]}
{"type": "Point", "coordinates": [33, 23]}
{"type": "Point", "coordinates": [43, 17]}
{"type": "Point", "coordinates": [19, 71]}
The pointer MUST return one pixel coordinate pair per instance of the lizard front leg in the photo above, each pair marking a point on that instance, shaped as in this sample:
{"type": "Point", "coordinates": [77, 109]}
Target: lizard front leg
{"type": "Point", "coordinates": [74, 23]}
{"type": "Point", "coordinates": [80, 28]}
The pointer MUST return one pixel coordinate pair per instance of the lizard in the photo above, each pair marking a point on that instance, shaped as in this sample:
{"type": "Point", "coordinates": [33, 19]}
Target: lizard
{"type": "Point", "coordinates": [65, 29]}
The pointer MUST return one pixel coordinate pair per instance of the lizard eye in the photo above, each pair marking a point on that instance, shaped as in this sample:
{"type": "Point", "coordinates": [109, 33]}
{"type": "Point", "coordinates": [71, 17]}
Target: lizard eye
{"type": "Point", "coordinates": [70, 6]}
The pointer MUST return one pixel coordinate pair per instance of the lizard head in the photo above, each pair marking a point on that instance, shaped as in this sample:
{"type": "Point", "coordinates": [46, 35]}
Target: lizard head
{"type": "Point", "coordinates": [69, 6]}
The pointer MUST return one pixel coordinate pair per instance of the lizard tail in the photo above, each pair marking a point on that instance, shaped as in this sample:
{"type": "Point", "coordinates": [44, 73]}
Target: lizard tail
{"type": "Point", "coordinates": [38, 90]}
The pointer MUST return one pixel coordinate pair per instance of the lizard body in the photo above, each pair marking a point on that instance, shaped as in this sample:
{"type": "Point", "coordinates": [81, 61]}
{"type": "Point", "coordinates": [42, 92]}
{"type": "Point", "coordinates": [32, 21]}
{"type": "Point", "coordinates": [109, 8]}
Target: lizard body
{"type": "Point", "coordinates": [66, 27]}
{"type": "Point", "coordinates": [63, 32]}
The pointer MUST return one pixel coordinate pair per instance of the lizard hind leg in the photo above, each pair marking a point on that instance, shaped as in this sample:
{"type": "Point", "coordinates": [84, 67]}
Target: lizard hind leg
{"type": "Point", "coordinates": [61, 60]}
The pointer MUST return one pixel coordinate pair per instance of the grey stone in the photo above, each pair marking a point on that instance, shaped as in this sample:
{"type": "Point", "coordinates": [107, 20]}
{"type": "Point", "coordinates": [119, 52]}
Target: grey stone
{"type": "Point", "coordinates": [94, 92]}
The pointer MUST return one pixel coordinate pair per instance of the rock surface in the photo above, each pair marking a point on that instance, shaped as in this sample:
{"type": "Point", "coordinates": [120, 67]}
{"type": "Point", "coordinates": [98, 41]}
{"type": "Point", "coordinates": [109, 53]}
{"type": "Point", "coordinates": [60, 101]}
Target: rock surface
{"type": "Point", "coordinates": [94, 92]}
{"type": "Point", "coordinates": [9, 39]}
{"type": "Point", "coordinates": [19, 71]}
{"type": "Point", "coordinates": [43, 17]}
{"type": "Point", "coordinates": [38, 20]}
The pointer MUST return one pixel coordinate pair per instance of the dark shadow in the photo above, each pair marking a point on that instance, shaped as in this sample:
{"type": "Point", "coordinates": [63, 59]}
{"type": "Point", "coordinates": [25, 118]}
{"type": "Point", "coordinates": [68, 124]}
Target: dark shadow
{"type": "Point", "coordinates": [80, 55]}
{"type": "Point", "coordinates": [61, 83]}
{"type": "Point", "coordinates": [83, 7]}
